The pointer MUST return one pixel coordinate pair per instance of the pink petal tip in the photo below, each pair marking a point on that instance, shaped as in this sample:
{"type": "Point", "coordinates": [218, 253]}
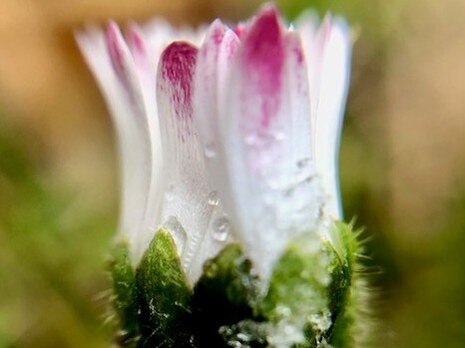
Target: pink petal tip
{"type": "Point", "coordinates": [177, 67]}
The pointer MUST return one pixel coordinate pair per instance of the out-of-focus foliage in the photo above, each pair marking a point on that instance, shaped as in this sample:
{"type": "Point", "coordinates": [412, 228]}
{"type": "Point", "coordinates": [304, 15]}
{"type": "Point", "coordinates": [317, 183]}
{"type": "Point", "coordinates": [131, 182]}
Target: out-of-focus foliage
{"type": "Point", "coordinates": [427, 306]}
{"type": "Point", "coordinates": [51, 255]}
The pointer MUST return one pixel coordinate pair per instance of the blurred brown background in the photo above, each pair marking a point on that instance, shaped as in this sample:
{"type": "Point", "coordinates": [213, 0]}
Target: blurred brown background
{"type": "Point", "coordinates": [401, 167]}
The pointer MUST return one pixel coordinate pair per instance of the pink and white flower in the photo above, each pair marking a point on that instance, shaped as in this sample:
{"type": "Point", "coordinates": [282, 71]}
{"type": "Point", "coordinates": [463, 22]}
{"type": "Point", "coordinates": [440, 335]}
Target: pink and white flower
{"type": "Point", "coordinates": [226, 134]}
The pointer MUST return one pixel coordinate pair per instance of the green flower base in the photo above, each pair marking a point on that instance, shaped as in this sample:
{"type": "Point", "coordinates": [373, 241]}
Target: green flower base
{"type": "Point", "coordinates": [315, 297]}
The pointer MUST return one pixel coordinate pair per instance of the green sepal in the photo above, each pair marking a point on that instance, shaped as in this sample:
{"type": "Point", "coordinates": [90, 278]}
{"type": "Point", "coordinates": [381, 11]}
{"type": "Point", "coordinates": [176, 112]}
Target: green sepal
{"type": "Point", "coordinates": [124, 295]}
{"type": "Point", "coordinates": [163, 296]}
{"type": "Point", "coordinates": [223, 296]}
{"type": "Point", "coordinates": [297, 299]}
{"type": "Point", "coordinates": [315, 290]}
{"type": "Point", "coordinates": [348, 291]}
{"type": "Point", "coordinates": [313, 299]}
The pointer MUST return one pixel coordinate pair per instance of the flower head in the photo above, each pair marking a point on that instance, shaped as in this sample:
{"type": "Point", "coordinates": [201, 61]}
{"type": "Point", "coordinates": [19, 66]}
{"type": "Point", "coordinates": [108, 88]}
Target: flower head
{"type": "Point", "coordinates": [226, 134]}
{"type": "Point", "coordinates": [229, 139]}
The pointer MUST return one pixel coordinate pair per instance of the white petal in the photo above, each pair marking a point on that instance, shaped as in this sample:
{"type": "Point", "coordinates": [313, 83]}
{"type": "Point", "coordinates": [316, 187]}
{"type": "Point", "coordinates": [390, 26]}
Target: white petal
{"type": "Point", "coordinates": [147, 44]}
{"type": "Point", "coordinates": [331, 75]}
{"type": "Point", "coordinates": [211, 84]}
{"type": "Point", "coordinates": [313, 38]}
{"type": "Point", "coordinates": [156, 35]}
{"type": "Point", "coordinates": [159, 34]}
{"type": "Point", "coordinates": [146, 70]}
{"type": "Point", "coordinates": [268, 147]}
{"type": "Point", "coordinates": [189, 208]}
{"type": "Point", "coordinates": [112, 64]}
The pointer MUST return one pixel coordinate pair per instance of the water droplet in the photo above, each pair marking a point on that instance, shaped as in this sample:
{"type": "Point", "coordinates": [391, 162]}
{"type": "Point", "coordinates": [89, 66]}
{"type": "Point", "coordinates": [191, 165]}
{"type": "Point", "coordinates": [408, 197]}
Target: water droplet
{"type": "Point", "coordinates": [283, 311]}
{"type": "Point", "coordinates": [304, 178]}
{"type": "Point", "coordinates": [213, 199]}
{"type": "Point", "coordinates": [321, 211]}
{"type": "Point", "coordinates": [321, 322]}
{"type": "Point", "coordinates": [279, 136]}
{"type": "Point", "coordinates": [178, 233]}
{"type": "Point", "coordinates": [304, 162]}
{"type": "Point", "coordinates": [305, 172]}
{"type": "Point", "coordinates": [273, 184]}
{"type": "Point", "coordinates": [243, 337]}
{"type": "Point", "coordinates": [264, 139]}
{"type": "Point", "coordinates": [220, 229]}
{"type": "Point", "coordinates": [269, 200]}
{"type": "Point", "coordinates": [210, 150]}
{"type": "Point", "coordinates": [211, 269]}
{"type": "Point", "coordinates": [169, 193]}
{"type": "Point", "coordinates": [251, 139]}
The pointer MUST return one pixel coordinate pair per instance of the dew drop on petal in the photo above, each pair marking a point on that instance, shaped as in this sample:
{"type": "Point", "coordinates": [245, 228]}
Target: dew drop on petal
{"type": "Point", "coordinates": [251, 139]}
{"type": "Point", "coordinates": [263, 139]}
{"type": "Point", "coordinates": [283, 311]}
{"type": "Point", "coordinates": [273, 184]}
{"type": "Point", "coordinates": [220, 229]}
{"type": "Point", "coordinates": [244, 338]}
{"type": "Point", "coordinates": [169, 193]}
{"type": "Point", "coordinates": [209, 150]}
{"type": "Point", "coordinates": [269, 200]}
{"type": "Point", "coordinates": [279, 136]}
{"type": "Point", "coordinates": [178, 233]}
{"type": "Point", "coordinates": [305, 178]}
{"type": "Point", "coordinates": [211, 269]}
{"type": "Point", "coordinates": [213, 199]}
{"type": "Point", "coordinates": [305, 173]}
{"type": "Point", "coordinates": [303, 163]}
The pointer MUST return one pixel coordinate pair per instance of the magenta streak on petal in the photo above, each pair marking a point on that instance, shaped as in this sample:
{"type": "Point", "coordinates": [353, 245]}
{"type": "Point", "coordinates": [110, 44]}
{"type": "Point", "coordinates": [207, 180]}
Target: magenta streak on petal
{"type": "Point", "coordinates": [316, 60]}
{"type": "Point", "coordinates": [231, 43]}
{"type": "Point", "coordinates": [113, 40]}
{"type": "Point", "coordinates": [177, 68]}
{"type": "Point", "coordinates": [299, 54]}
{"type": "Point", "coordinates": [119, 56]}
{"type": "Point", "coordinates": [322, 38]}
{"type": "Point", "coordinates": [136, 41]}
{"type": "Point", "coordinates": [294, 41]}
{"type": "Point", "coordinates": [213, 38]}
{"type": "Point", "coordinates": [219, 37]}
{"type": "Point", "coordinates": [138, 47]}
{"type": "Point", "coordinates": [264, 60]}
{"type": "Point", "coordinates": [218, 33]}
{"type": "Point", "coordinates": [240, 30]}
{"type": "Point", "coordinates": [325, 29]}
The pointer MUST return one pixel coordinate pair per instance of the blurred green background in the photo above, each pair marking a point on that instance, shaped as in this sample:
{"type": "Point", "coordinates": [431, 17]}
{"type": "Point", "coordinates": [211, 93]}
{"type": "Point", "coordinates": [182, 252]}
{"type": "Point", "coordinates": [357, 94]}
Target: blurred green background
{"type": "Point", "coordinates": [401, 164]}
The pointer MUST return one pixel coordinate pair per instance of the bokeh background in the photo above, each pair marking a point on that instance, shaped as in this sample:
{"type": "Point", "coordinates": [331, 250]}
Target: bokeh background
{"type": "Point", "coordinates": [402, 164]}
